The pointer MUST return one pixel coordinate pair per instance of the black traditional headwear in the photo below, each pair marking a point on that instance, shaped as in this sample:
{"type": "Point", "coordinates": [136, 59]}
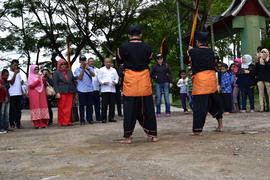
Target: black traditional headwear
{"type": "Point", "coordinates": [134, 30]}
{"type": "Point", "coordinates": [201, 36]}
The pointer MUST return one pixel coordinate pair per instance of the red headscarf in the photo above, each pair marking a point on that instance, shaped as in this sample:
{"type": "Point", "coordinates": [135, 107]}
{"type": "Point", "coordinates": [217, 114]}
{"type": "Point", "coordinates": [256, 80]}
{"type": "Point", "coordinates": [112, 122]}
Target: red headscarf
{"type": "Point", "coordinates": [33, 77]}
{"type": "Point", "coordinates": [63, 69]}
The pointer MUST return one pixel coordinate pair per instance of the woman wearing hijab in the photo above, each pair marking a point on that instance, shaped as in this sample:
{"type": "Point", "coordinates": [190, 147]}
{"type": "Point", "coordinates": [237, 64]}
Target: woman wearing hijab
{"type": "Point", "coordinates": [37, 98]}
{"type": "Point", "coordinates": [246, 82]}
{"type": "Point", "coordinates": [64, 85]}
{"type": "Point", "coordinates": [263, 76]}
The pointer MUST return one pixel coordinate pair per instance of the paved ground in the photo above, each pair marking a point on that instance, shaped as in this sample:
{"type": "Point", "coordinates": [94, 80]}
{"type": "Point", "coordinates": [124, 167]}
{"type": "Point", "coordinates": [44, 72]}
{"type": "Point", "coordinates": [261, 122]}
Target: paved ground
{"type": "Point", "coordinates": [92, 151]}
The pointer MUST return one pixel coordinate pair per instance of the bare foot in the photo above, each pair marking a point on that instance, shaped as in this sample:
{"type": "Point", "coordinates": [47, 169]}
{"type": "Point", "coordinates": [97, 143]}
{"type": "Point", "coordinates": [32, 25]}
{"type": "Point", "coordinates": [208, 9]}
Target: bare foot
{"type": "Point", "coordinates": [218, 129]}
{"type": "Point", "coordinates": [155, 139]}
{"type": "Point", "coordinates": [126, 141]}
{"type": "Point", "coordinates": [196, 134]}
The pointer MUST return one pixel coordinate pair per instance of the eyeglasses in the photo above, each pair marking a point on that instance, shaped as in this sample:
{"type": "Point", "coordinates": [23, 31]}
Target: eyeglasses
{"type": "Point", "coordinates": [263, 52]}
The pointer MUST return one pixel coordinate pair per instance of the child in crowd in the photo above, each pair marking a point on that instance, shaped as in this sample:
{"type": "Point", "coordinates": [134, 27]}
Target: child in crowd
{"type": "Point", "coordinates": [183, 84]}
{"type": "Point", "coordinates": [226, 88]}
{"type": "Point", "coordinates": [236, 90]}
{"type": "Point", "coordinates": [246, 82]}
{"type": "Point", "coordinates": [108, 78]}
{"type": "Point", "coordinates": [4, 101]}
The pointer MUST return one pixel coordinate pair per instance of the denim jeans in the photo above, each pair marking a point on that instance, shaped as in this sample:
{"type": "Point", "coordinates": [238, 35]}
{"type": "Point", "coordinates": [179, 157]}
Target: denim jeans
{"type": "Point", "coordinates": [4, 113]}
{"type": "Point", "coordinates": [247, 92]}
{"type": "Point", "coordinates": [160, 88]}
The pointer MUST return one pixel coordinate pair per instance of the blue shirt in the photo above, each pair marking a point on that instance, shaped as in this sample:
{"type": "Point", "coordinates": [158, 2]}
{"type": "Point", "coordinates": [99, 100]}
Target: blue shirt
{"type": "Point", "coordinates": [226, 82]}
{"type": "Point", "coordinates": [84, 85]}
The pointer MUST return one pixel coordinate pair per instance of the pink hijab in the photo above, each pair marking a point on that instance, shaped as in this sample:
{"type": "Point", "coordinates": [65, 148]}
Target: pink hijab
{"type": "Point", "coordinates": [235, 68]}
{"type": "Point", "coordinates": [35, 77]}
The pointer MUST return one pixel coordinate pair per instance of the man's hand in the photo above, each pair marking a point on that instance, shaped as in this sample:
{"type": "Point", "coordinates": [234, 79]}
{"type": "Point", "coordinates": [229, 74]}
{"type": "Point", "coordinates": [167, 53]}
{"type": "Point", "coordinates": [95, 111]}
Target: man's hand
{"type": "Point", "coordinates": [171, 85]}
{"type": "Point", "coordinates": [246, 71]}
{"type": "Point", "coordinates": [17, 71]}
{"type": "Point", "coordinates": [262, 62]}
{"type": "Point", "coordinates": [57, 96]}
{"type": "Point", "coordinates": [218, 89]}
{"type": "Point", "coordinates": [83, 66]}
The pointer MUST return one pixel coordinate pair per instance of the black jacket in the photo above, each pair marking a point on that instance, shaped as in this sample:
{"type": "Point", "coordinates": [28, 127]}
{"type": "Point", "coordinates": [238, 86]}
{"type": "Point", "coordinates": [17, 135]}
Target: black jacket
{"type": "Point", "coordinates": [61, 85]}
{"type": "Point", "coordinates": [161, 73]}
{"type": "Point", "coordinates": [262, 72]}
{"type": "Point", "coordinates": [246, 80]}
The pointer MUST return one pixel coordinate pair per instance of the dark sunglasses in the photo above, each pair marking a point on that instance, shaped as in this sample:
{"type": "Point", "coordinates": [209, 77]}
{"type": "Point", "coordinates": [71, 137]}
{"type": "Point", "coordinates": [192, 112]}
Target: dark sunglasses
{"type": "Point", "coordinates": [263, 52]}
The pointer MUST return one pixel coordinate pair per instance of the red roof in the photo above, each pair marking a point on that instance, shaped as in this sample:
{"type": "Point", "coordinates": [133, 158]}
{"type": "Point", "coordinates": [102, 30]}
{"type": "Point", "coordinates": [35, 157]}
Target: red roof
{"type": "Point", "coordinates": [253, 7]}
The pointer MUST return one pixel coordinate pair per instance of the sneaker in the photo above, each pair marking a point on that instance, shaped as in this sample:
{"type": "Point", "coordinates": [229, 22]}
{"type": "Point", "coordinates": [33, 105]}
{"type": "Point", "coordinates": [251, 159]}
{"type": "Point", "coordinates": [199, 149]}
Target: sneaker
{"type": "Point", "coordinates": [252, 111]}
{"type": "Point", "coordinates": [168, 115]}
{"type": "Point", "coordinates": [243, 111]}
{"type": "Point", "coordinates": [158, 115]}
{"type": "Point", "coordinates": [112, 120]}
{"type": "Point", "coordinates": [3, 131]}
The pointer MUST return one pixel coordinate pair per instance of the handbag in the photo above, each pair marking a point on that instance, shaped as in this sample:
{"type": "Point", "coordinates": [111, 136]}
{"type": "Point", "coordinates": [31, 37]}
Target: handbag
{"type": "Point", "coordinates": [49, 90]}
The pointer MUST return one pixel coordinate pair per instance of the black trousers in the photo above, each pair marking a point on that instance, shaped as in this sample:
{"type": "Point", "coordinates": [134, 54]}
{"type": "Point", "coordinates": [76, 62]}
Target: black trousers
{"type": "Point", "coordinates": [141, 109]}
{"type": "Point", "coordinates": [108, 99]}
{"type": "Point", "coordinates": [118, 100]}
{"type": "Point", "coordinates": [49, 101]}
{"type": "Point", "coordinates": [86, 101]}
{"type": "Point", "coordinates": [226, 102]}
{"type": "Point", "coordinates": [202, 104]}
{"type": "Point", "coordinates": [15, 111]}
{"type": "Point", "coordinates": [96, 103]}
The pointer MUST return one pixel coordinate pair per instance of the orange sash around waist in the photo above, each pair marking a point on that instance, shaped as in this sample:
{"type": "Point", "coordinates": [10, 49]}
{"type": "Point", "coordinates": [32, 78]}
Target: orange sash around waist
{"type": "Point", "coordinates": [204, 82]}
{"type": "Point", "coordinates": [137, 83]}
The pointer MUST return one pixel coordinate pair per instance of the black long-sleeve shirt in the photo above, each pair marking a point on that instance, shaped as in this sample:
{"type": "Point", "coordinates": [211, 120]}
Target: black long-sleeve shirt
{"type": "Point", "coordinates": [202, 59]}
{"type": "Point", "coordinates": [135, 55]}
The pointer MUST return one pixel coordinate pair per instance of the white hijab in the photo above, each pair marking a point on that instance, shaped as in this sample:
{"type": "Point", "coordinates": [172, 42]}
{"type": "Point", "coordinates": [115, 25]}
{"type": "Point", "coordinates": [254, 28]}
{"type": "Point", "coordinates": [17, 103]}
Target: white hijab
{"type": "Point", "coordinates": [247, 63]}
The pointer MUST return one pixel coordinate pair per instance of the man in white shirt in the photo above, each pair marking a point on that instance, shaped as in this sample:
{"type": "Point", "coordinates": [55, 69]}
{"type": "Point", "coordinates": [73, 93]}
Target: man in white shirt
{"type": "Point", "coordinates": [15, 93]}
{"type": "Point", "coordinates": [96, 88]}
{"type": "Point", "coordinates": [108, 78]}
